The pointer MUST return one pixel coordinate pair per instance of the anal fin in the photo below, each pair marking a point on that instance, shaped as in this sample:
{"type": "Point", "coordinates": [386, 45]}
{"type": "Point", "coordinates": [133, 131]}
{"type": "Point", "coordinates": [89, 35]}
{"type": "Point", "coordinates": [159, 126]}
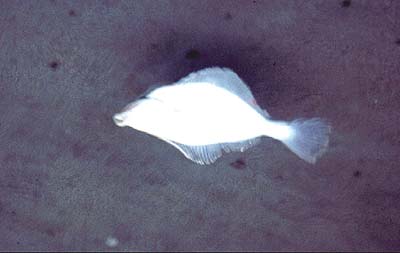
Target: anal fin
{"type": "Point", "coordinates": [208, 154]}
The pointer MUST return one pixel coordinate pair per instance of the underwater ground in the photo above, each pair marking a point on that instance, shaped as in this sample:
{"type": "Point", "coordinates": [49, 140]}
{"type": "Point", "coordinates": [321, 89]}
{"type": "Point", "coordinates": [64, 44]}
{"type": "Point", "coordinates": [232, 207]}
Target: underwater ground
{"type": "Point", "coordinates": [70, 179]}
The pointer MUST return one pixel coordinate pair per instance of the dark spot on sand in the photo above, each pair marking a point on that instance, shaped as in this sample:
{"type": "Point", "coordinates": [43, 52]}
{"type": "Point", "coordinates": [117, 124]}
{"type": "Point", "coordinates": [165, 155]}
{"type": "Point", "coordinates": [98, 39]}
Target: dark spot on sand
{"type": "Point", "coordinates": [78, 150]}
{"type": "Point", "coordinates": [153, 46]}
{"type": "Point", "coordinates": [50, 232]}
{"type": "Point", "coordinates": [200, 217]}
{"type": "Point", "coordinates": [238, 164]}
{"type": "Point", "coordinates": [398, 41]}
{"type": "Point", "coordinates": [13, 213]}
{"type": "Point", "coordinates": [357, 173]}
{"type": "Point", "coordinates": [72, 13]}
{"type": "Point", "coordinates": [154, 179]}
{"type": "Point", "coordinates": [228, 16]}
{"type": "Point", "coordinates": [274, 64]}
{"type": "Point", "coordinates": [54, 65]}
{"type": "Point", "coordinates": [346, 3]}
{"type": "Point", "coordinates": [192, 54]}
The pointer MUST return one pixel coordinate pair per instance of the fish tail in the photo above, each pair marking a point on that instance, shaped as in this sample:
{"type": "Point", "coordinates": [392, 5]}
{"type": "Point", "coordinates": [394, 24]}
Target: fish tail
{"type": "Point", "coordinates": [309, 138]}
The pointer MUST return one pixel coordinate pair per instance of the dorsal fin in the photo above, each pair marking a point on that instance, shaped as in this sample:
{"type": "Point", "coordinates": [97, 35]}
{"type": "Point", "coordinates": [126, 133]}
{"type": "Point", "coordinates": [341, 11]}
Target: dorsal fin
{"type": "Point", "coordinates": [149, 90]}
{"type": "Point", "coordinates": [227, 79]}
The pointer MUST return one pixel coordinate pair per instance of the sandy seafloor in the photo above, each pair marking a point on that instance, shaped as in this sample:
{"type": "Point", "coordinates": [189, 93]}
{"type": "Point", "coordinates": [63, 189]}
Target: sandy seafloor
{"type": "Point", "coordinates": [71, 180]}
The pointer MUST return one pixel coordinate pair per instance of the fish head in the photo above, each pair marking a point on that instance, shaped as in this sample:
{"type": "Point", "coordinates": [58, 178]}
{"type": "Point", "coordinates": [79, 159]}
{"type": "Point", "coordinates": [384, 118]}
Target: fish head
{"type": "Point", "coordinates": [144, 114]}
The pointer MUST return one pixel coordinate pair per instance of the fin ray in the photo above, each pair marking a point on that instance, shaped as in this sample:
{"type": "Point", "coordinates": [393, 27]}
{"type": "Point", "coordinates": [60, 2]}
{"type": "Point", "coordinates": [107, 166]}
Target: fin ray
{"type": "Point", "coordinates": [208, 154]}
{"type": "Point", "coordinates": [227, 79]}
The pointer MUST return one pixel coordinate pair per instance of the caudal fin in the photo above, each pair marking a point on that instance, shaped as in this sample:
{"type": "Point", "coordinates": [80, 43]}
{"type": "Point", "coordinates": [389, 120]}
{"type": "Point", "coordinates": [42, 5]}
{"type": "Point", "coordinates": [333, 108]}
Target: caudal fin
{"type": "Point", "coordinates": [309, 139]}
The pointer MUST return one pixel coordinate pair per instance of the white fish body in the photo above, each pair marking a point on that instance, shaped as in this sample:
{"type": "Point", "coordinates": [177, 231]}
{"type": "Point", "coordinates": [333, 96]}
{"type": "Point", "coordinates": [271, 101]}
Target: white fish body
{"type": "Point", "coordinates": [211, 111]}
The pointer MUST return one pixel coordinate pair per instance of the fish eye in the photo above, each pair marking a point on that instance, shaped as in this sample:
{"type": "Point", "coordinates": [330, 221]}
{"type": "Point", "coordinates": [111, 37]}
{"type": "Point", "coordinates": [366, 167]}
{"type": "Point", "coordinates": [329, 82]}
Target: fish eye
{"type": "Point", "coordinates": [118, 119]}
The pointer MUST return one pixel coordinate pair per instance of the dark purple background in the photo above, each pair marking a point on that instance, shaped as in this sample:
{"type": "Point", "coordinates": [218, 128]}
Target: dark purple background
{"type": "Point", "coordinates": [70, 179]}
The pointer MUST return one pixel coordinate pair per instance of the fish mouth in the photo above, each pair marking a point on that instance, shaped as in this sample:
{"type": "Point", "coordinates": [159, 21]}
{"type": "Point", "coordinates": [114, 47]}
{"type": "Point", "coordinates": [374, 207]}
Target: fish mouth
{"type": "Point", "coordinates": [118, 120]}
